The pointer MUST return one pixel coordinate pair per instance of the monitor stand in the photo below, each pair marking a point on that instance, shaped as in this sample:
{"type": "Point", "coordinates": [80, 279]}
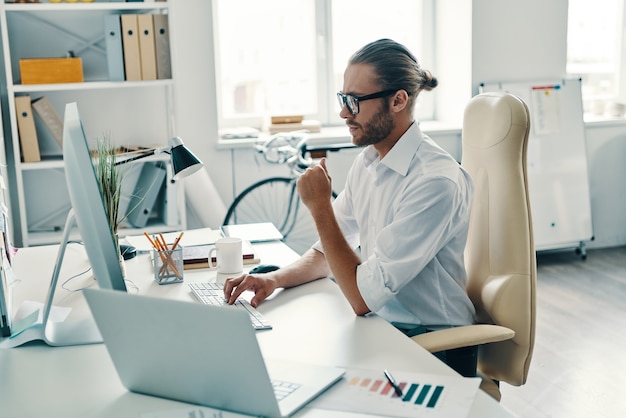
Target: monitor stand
{"type": "Point", "coordinates": [57, 333]}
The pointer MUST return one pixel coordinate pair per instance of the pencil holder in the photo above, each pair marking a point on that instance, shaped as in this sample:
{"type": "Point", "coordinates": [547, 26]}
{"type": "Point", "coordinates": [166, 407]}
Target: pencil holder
{"type": "Point", "coordinates": [168, 265]}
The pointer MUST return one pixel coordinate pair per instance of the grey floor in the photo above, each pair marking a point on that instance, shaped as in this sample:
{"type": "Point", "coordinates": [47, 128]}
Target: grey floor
{"type": "Point", "coordinates": [579, 363]}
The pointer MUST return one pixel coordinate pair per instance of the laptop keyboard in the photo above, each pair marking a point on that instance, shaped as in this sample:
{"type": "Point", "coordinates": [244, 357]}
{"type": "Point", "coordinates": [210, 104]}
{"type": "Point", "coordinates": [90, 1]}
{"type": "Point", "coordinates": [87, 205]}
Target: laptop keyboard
{"type": "Point", "coordinates": [283, 389]}
{"type": "Point", "coordinates": [211, 293]}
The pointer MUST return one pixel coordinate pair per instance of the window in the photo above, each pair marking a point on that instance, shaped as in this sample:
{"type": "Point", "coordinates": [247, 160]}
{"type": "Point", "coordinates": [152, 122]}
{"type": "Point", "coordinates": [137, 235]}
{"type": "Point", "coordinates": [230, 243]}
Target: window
{"type": "Point", "coordinates": [594, 51]}
{"type": "Point", "coordinates": [288, 57]}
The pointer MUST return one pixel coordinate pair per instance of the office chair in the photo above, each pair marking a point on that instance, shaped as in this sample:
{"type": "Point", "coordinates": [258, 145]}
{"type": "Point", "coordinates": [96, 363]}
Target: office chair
{"type": "Point", "coordinates": [499, 255]}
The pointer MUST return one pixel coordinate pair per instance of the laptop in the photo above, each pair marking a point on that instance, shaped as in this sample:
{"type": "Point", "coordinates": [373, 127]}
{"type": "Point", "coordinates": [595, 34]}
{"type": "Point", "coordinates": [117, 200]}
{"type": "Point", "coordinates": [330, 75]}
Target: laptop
{"type": "Point", "coordinates": [199, 354]}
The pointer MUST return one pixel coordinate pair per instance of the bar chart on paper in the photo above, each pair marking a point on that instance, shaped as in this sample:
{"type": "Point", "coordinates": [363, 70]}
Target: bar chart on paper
{"type": "Point", "coordinates": [423, 395]}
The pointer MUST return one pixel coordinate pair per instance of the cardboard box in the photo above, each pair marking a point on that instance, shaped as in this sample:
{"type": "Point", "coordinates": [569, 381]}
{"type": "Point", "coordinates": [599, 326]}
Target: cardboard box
{"type": "Point", "coordinates": [51, 70]}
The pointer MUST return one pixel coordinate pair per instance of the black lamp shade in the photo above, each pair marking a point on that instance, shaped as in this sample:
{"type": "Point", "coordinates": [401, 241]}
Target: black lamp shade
{"type": "Point", "coordinates": [184, 162]}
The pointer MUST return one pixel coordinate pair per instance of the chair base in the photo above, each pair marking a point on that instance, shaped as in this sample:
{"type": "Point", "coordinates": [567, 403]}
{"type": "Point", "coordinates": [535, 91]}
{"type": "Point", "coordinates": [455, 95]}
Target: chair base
{"type": "Point", "coordinates": [489, 386]}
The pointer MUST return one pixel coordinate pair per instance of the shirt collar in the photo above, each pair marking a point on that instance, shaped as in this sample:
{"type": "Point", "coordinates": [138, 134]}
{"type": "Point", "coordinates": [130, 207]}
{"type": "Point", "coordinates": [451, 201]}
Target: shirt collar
{"type": "Point", "coordinates": [400, 156]}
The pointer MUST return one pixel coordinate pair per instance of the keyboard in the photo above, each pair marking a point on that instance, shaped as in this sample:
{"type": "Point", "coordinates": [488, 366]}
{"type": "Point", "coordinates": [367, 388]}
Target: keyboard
{"type": "Point", "coordinates": [283, 389]}
{"type": "Point", "coordinates": [211, 293]}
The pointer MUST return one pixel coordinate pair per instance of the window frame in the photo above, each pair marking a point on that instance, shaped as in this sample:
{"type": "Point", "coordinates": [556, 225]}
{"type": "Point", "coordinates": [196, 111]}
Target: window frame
{"type": "Point", "coordinates": [328, 113]}
{"type": "Point", "coordinates": [598, 102]}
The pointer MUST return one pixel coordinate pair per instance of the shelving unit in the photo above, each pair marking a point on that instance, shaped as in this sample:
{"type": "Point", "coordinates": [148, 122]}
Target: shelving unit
{"type": "Point", "coordinates": [130, 113]}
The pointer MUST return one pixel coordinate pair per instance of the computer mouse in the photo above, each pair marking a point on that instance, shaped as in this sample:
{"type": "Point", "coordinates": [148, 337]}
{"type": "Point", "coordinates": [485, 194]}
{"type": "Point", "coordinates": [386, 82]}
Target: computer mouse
{"type": "Point", "coordinates": [263, 268]}
{"type": "Point", "coordinates": [128, 251]}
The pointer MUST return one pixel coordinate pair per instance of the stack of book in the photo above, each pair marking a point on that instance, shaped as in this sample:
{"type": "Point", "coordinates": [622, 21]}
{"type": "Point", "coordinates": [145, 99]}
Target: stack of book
{"type": "Point", "coordinates": [197, 256]}
{"type": "Point", "coordinates": [292, 123]}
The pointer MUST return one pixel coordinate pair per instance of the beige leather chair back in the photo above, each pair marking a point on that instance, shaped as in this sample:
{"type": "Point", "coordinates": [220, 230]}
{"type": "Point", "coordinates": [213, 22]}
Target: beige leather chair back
{"type": "Point", "coordinates": [500, 254]}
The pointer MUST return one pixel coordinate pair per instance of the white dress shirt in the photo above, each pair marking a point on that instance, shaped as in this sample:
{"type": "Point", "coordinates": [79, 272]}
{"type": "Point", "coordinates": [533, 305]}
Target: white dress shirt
{"type": "Point", "coordinates": [409, 213]}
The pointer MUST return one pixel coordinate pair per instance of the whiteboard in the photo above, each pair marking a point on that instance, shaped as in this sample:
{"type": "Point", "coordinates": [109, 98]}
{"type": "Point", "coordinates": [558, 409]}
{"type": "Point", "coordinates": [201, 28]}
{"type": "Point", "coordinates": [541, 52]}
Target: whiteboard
{"type": "Point", "coordinates": [558, 178]}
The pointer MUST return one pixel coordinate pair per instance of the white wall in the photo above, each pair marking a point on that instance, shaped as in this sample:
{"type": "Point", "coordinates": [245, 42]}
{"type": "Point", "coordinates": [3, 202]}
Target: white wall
{"type": "Point", "coordinates": [195, 107]}
{"type": "Point", "coordinates": [503, 40]}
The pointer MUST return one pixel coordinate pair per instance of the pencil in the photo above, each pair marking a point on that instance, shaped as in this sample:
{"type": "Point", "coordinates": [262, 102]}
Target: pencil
{"type": "Point", "coordinates": [169, 260]}
{"type": "Point", "coordinates": [151, 241]}
{"type": "Point", "coordinates": [177, 241]}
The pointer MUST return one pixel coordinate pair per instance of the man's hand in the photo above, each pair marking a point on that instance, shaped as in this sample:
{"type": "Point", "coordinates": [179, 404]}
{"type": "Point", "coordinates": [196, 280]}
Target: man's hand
{"type": "Point", "coordinates": [315, 186]}
{"type": "Point", "coordinates": [261, 284]}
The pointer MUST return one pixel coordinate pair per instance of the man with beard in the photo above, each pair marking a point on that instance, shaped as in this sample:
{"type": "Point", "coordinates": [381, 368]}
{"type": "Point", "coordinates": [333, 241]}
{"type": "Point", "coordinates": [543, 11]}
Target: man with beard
{"type": "Point", "coordinates": [406, 204]}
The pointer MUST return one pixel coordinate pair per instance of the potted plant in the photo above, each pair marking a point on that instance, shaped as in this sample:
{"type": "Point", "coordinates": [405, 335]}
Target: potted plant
{"type": "Point", "coordinates": [110, 177]}
{"type": "Point", "coordinates": [110, 182]}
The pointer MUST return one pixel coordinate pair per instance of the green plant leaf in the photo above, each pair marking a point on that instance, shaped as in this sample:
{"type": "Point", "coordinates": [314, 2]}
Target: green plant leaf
{"type": "Point", "coordinates": [109, 180]}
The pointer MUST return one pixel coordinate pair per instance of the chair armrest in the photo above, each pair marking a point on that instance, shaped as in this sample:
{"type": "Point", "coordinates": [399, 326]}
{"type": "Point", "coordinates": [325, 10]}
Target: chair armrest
{"type": "Point", "coordinates": [465, 336]}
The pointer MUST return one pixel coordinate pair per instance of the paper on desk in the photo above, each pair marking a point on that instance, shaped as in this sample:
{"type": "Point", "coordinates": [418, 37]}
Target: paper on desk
{"type": "Point", "coordinates": [190, 238]}
{"type": "Point", "coordinates": [31, 312]}
{"type": "Point", "coordinates": [425, 395]}
{"type": "Point", "coordinates": [193, 412]}
{"type": "Point", "coordinates": [28, 307]}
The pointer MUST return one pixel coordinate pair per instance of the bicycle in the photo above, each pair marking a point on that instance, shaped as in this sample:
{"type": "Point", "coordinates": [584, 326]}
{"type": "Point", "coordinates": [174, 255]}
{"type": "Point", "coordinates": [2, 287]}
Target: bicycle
{"type": "Point", "coordinates": [276, 199]}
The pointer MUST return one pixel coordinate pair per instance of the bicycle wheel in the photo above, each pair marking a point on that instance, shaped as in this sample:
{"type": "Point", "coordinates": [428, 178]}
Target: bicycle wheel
{"type": "Point", "coordinates": [275, 200]}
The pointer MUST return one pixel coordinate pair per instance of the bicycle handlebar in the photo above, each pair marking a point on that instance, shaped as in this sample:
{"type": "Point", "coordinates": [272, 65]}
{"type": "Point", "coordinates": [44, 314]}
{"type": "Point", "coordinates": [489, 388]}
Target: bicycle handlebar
{"type": "Point", "coordinates": [292, 148]}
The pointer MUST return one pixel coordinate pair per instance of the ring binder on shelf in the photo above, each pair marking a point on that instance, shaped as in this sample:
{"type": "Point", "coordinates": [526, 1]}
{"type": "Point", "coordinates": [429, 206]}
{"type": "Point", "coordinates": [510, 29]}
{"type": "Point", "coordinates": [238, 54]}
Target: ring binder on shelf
{"type": "Point", "coordinates": [113, 42]}
{"type": "Point", "coordinates": [27, 130]}
{"type": "Point", "coordinates": [130, 42]}
{"type": "Point", "coordinates": [147, 50]}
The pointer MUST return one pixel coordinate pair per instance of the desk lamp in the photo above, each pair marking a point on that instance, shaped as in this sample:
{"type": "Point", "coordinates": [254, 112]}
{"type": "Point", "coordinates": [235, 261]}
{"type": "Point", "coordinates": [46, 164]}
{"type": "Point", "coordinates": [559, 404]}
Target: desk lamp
{"type": "Point", "coordinates": [184, 163]}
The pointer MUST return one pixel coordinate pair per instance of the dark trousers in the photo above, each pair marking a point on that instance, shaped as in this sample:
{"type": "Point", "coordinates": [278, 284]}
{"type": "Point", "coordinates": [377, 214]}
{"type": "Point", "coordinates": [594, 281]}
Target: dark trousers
{"type": "Point", "coordinates": [463, 360]}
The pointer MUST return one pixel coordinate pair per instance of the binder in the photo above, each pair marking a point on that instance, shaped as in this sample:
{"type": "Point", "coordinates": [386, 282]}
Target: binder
{"type": "Point", "coordinates": [113, 43]}
{"type": "Point", "coordinates": [145, 194]}
{"type": "Point", "coordinates": [26, 129]}
{"type": "Point", "coordinates": [49, 116]}
{"type": "Point", "coordinates": [147, 47]}
{"type": "Point", "coordinates": [130, 44]}
{"type": "Point", "coordinates": [162, 46]}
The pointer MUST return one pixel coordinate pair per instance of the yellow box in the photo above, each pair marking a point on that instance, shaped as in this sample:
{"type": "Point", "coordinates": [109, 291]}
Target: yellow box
{"type": "Point", "coordinates": [51, 70]}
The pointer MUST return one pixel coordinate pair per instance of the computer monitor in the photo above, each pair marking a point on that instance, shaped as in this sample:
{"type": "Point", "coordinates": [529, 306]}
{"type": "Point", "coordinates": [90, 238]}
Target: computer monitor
{"type": "Point", "coordinates": [87, 203]}
{"type": "Point", "coordinates": [89, 214]}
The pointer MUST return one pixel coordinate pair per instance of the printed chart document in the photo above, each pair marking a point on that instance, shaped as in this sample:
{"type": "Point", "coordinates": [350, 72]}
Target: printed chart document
{"type": "Point", "coordinates": [424, 395]}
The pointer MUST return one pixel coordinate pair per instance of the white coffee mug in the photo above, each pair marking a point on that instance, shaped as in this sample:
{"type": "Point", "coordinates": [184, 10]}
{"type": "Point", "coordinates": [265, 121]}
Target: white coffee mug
{"type": "Point", "coordinates": [228, 255]}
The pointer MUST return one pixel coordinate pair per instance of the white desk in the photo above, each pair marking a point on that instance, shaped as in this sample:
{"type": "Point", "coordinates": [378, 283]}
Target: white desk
{"type": "Point", "coordinates": [311, 323]}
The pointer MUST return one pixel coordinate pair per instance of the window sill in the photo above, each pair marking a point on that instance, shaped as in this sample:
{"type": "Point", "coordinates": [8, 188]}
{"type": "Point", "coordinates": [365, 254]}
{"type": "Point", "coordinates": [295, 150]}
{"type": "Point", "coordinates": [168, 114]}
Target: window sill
{"type": "Point", "coordinates": [601, 121]}
{"type": "Point", "coordinates": [339, 134]}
